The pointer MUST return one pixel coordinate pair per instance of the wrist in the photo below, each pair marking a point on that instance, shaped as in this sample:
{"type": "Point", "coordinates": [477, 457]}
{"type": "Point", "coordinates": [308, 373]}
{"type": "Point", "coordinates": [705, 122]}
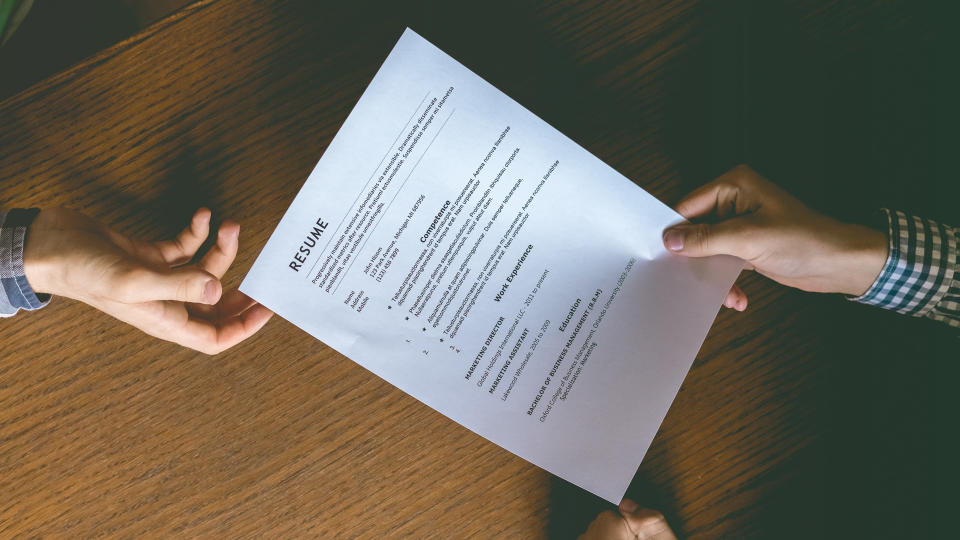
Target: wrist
{"type": "Point", "coordinates": [39, 266]}
{"type": "Point", "coordinates": [863, 257]}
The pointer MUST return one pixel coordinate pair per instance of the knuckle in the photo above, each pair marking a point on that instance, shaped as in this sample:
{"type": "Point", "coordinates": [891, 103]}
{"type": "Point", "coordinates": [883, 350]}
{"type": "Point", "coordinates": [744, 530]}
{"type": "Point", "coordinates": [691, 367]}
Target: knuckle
{"type": "Point", "coordinates": [652, 517]}
{"type": "Point", "coordinates": [743, 168]}
{"type": "Point", "coordinates": [650, 523]}
{"type": "Point", "coordinates": [608, 516]}
{"type": "Point", "coordinates": [700, 236]}
{"type": "Point", "coordinates": [745, 176]}
{"type": "Point", "coordinates": [183, 289]}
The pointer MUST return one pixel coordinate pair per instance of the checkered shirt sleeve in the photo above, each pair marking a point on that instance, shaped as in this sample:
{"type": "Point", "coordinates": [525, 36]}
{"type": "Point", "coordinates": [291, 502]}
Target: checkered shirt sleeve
{"type": "Point", "coordinates": [922, 274]}
{"type": "Point", "coordinates": [17, 293]}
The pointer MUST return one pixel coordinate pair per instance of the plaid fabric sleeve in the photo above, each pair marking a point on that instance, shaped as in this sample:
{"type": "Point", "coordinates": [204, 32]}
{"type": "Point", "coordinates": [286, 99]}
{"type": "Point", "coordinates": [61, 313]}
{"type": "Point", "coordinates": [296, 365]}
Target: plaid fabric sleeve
{"type": "Point", "coordinates": [17, 293]}
{"type": "Point", "coordinates": [922, 274]}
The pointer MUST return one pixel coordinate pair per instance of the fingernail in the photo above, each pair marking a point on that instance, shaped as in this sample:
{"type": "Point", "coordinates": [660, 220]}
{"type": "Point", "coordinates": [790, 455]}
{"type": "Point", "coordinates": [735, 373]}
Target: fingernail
{"type": "Point", "coordinates": [673, 239]}
{"type": "Point", "coordinates": [627, 506]}
{"type": "Point", "coordinates": [210, 291]}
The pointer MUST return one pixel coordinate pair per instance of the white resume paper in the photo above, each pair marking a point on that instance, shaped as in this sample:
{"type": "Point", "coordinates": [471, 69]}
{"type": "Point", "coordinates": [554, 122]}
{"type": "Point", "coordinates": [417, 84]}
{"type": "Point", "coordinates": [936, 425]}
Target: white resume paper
{"type": "Point", "coordinates": [462, 249]}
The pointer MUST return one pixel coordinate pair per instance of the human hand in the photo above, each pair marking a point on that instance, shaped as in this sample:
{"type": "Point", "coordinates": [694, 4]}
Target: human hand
{"type": "Point", "coordinates": [630, 523]}
{"type": "Point", "coordinates": [148, 285]}
{"type": "Point", "coordinates": [747, 216]}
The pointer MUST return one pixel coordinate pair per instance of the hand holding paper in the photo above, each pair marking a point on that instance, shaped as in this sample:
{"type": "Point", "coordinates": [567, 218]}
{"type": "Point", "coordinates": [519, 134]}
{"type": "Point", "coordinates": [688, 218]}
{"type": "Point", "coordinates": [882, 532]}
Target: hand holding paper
{"type": "Point", "coordinates": [778, 236]}
{"type": "Point", "coordinates": [459, 247]}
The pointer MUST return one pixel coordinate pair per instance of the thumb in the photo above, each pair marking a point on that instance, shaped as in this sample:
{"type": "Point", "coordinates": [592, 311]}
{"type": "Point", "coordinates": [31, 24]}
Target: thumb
{"type": "Point", "coordinates": [185, 284]}
{"type": "Point", "coordinates": [703, 240]}
{"type": "Point", "coordinates": [645, 523]}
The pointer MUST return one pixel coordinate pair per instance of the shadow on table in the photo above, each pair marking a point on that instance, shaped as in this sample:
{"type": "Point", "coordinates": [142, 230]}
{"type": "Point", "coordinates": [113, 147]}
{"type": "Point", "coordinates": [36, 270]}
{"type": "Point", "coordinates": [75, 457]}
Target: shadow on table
{"type": "Point", "coordinates": [58, 33]}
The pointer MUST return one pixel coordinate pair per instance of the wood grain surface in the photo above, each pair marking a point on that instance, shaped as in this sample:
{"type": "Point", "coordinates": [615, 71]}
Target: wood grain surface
{"type": "Point", "coordinates": [796, 419]}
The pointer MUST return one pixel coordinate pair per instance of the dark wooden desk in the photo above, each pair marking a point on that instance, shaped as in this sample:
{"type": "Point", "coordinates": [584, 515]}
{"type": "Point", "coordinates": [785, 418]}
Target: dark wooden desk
{"type": "Point", "coordinates": [105, 431]}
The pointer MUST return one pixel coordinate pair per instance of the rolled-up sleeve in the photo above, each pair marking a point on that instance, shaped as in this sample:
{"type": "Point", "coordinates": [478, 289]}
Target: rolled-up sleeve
{"type": "Point", "coordinates": [922, 274]}
{"type": "Point", "coordinates": [17, 293]}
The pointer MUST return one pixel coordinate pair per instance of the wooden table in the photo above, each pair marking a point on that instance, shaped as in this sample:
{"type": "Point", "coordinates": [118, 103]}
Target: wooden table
{"type": "Point", "coordinates": [795, 418]}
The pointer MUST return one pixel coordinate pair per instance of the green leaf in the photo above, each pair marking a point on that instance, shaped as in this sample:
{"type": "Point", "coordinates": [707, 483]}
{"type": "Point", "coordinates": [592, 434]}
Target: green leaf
{"type": "Point", "coordinates": [6, 6]}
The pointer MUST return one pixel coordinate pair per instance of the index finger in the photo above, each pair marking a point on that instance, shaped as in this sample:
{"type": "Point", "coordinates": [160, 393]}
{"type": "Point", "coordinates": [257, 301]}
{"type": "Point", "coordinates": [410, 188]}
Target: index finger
{"type": "Point", "coordinates": [700, 202]}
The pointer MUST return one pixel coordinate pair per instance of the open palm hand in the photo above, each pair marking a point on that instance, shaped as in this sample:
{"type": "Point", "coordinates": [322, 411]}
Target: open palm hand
{"type": "Point", "coordinates": [150, 285]}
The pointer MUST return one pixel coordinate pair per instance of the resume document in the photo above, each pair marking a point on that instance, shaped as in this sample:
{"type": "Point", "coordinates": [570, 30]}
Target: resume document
{"type": "Point", "coordinates": [456, 245]}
